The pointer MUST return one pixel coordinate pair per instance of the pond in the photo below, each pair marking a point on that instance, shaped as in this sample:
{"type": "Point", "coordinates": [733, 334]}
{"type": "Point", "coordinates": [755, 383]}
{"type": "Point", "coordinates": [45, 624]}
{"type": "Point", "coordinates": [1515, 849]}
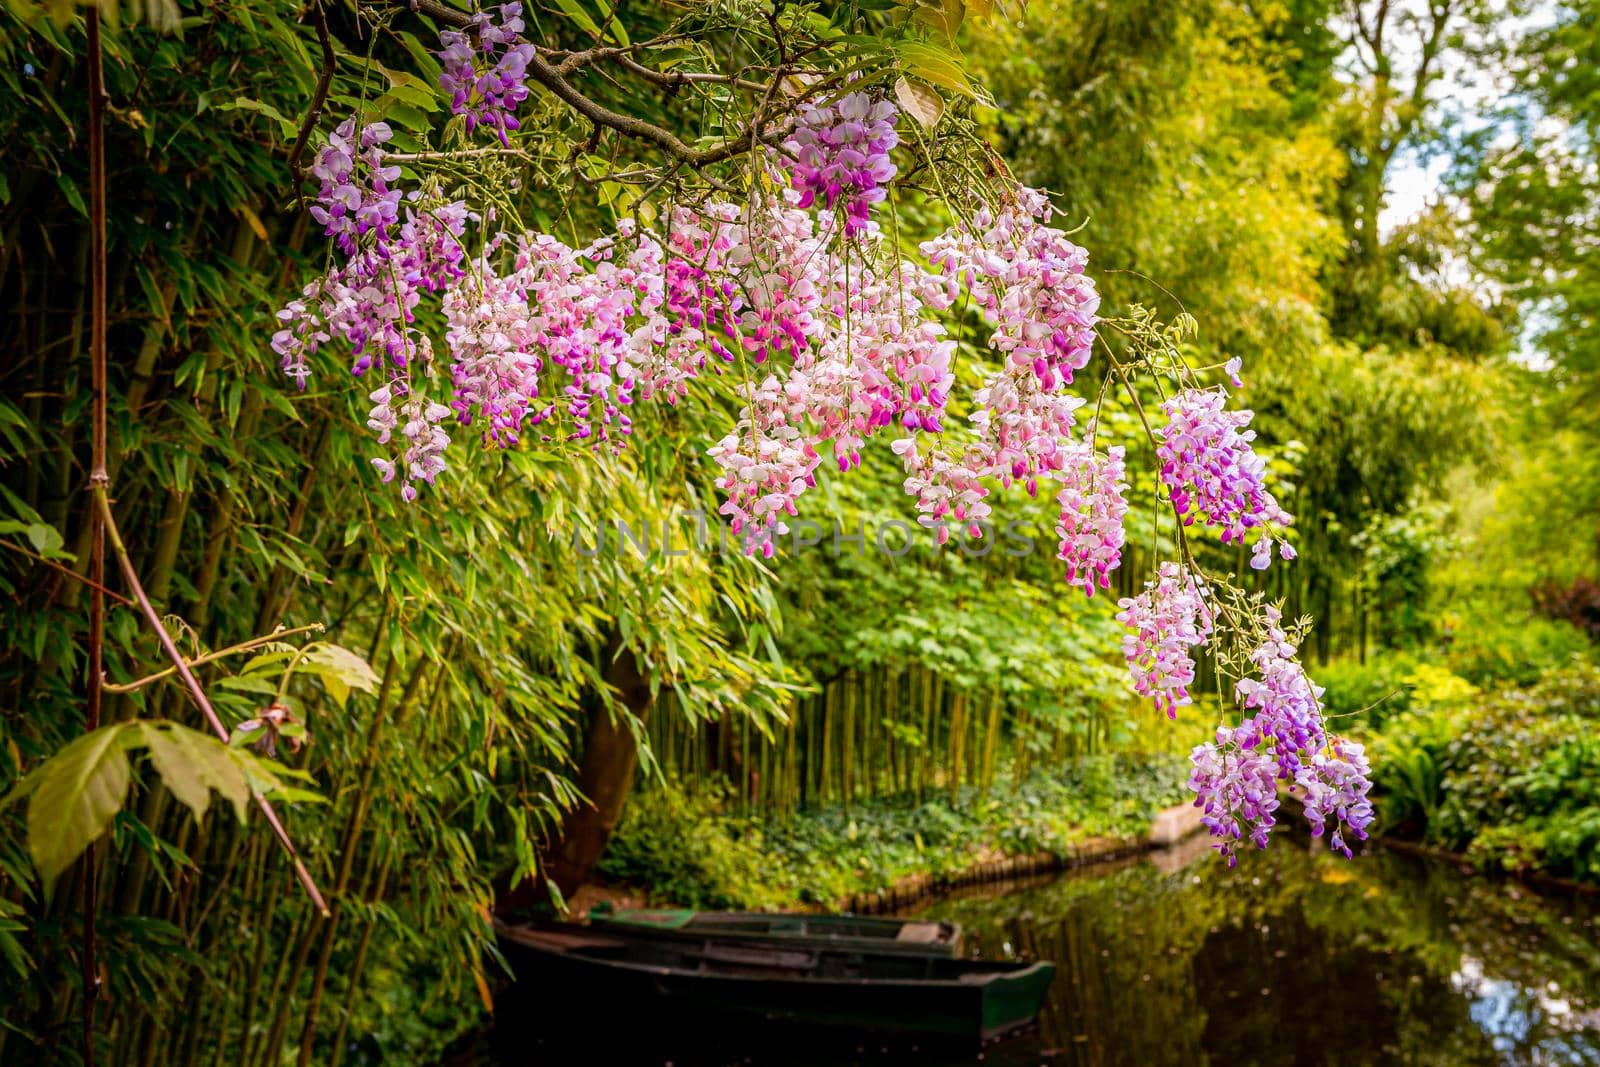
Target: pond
{"type": "Point", "coordinates": [1295, 957]}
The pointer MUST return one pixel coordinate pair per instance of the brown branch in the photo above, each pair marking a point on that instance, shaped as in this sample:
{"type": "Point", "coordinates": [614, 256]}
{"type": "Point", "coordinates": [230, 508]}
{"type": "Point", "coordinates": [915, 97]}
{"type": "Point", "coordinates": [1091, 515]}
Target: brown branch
{"type": "Point", "coordinates": [211, 657]}
{"type": "Point", "coordinates": [68, 571]}
{"type": "Point", "coordinates": [672, 79]}
{"type": "Point", "coordinates": [320, 96]}
{"type": "Point", "coordinates": [196, 693]}
{"type": "Point", "coordinates": [550, 76]}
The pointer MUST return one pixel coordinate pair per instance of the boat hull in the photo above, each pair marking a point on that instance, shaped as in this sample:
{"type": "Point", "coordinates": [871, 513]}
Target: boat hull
{"type": "Point", "coordinates": [926, 1000]}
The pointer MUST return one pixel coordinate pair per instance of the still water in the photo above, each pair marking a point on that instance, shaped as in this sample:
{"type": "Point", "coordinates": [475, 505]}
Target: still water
{"type": "Point", "coordinates": [1295, 957]}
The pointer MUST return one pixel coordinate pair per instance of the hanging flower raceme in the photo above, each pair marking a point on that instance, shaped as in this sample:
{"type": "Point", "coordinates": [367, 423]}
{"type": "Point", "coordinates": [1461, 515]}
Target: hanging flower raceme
{"type": "Point", "coordinates": [355, 198]}
{"type": "Point", "coordinates": [840, 156]}
{"type": "Point", "coordinates": [1238, 790]}
{"type": "Point", "coordinates": [395, 406]}
{"type": "Point", "coordinates": [485, 69]}
{"type": "Point", "coordinates": [1334, 788]}
{"type": "Point", "coordinates": [1165, 622]}
{"type": "Point", "coordinates": [1281, 740]}
{"type": "Point", "coordinates": [1092, 511]}
{"type": "Point", "coordinates": [1213, 474]}
{"type": "Point", "coordinates": [1028, 280]}
{"type": "Point", "coordinates": [1286, 716]}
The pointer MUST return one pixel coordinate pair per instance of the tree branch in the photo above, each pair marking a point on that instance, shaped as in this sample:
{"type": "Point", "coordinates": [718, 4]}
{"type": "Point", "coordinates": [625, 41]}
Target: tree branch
{"type": "Point", "coordinates": [68, 571]}
{"type": "Point", "coordinates": [210, 657]}
{"type": "Point", "coordinates": [99, 480]}
{"type": "Point", "coordinates": [320, 96]}
{"type": "Point", "coordinates": [551, 77]}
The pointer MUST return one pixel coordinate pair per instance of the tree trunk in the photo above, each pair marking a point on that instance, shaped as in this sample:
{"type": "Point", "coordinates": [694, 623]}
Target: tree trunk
{"type": "Point", "coordinates": [605, 777]}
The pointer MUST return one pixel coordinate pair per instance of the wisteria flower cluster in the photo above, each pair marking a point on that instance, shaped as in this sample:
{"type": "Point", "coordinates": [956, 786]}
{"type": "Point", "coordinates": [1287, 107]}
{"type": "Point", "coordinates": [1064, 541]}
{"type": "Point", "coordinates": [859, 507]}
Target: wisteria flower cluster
{"type": "Point", "coordinates": [1165, 623]}
{"type": "Point", "coordinates": [488, 96]}
{"type": "Point", "coordinates": [833, 338]}
{"type": "Point", "coordinates": [1281, 739]}
{"type": "Point", "coordinates": [1092, 511]}
{"type": "Point", "coordinates": [355, 197]}
{"type": "Point", "coordinates": [840, 155]}
{"type": "Point", "coordinates": [1213, 474]}
{"type": "Point", "coordinates": [1027, 281]}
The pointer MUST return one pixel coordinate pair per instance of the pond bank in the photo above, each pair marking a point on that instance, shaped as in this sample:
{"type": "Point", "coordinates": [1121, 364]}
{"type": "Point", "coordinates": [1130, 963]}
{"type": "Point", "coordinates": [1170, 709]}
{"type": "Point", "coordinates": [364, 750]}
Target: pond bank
{"type": "Point", "coordinates": [1170, 828]}
{"type": "Point", "coordinates": [694, 849]}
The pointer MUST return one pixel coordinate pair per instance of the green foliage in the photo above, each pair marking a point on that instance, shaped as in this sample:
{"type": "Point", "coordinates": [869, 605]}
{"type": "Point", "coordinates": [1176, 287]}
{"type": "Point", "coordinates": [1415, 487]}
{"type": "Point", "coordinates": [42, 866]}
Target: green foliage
{"type": "Point", "coordinates": [681, 842]}
{"type": "Point", "coordinates": [1509, 648]}
{"type": "Point", "coordinates": [1512, 778]}
{"type": "Point", "coordinates": [689, 847]}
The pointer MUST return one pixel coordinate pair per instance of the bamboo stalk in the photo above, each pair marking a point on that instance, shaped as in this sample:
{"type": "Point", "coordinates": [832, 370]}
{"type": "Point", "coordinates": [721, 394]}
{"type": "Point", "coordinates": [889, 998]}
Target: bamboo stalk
{"type": "Point", "coordinates": [958, 737]}
{"type": "Point", "coordinates": [347, 858]}
{"type": "Point", "coordinates": [847, 731]}
{"type": "Point", "coordinates": [356, 968]}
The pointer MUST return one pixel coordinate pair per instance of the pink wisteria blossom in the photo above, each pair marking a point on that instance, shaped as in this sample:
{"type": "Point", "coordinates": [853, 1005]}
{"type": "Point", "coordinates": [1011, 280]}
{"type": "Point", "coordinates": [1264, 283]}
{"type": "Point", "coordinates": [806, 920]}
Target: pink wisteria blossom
{"type": "Point", "coordinates": [1165, 624]}
{"type": "Point", "coordinates": [1215, 476]}
{"type": "Point", "coordinates": [1092, 511]}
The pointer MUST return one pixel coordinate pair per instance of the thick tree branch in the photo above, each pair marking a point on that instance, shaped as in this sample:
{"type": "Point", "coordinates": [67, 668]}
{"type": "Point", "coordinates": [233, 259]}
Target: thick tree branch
{"type": "Point", "coordinates": [551, 77]}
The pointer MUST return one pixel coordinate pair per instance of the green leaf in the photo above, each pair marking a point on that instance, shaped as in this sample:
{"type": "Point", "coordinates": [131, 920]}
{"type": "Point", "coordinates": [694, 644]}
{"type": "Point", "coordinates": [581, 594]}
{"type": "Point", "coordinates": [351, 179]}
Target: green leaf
{"type": "Point", "coordinates": [266, 778]}
{"type": "Point", "coordinates": [250, 683]}
{"type": "Point", "coordinates": [79, 790]}
{"type": "Point", "coordinates": [192, 764]}
{"type": "Point", "coordinates": [69, 189]}
{"type": "Point", "coordinates": [945, 16]}
{"type": "Point", "coordinates": [286, 126]}
{"type": "Point", "coordinates": [576, 13]}
{"type": "Point", "coordinates": [340, 670]}
{"type": "Point", "coordinates": [922, 102]}
{"type": "Point", "coordinates": [937, 67]}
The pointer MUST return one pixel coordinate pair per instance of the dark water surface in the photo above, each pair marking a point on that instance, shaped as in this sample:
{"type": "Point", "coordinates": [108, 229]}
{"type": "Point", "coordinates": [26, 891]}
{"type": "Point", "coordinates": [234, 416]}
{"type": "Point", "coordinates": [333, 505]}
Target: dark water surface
{"type": "Point", "coordinates": [1295, 957]}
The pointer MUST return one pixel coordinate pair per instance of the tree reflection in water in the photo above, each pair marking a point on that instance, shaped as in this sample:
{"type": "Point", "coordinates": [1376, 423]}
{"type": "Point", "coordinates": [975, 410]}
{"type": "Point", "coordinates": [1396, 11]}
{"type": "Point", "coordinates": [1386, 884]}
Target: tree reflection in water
{"type": "Point", "coordinates": [1296, 958]}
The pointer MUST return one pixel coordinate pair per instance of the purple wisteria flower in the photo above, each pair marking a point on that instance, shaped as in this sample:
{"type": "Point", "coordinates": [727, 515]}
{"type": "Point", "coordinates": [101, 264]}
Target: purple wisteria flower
{"type": "Point", "coordinates": [355, 198]}
{"type": "Point", "coordinates": [1213, 474]}
{"type": "Point", "coordinates": [1235, 778]}
{"type": "Point", "coordinates": [841, 155]}
{"type": "Point", "coordinates": [487, 97]}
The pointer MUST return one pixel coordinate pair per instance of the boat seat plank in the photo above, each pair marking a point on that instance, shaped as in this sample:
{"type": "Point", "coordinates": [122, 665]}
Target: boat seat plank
{"type": "Point", "coordinates": [920, 933]}
{"type": "Point", "coordinates": [779, 959]}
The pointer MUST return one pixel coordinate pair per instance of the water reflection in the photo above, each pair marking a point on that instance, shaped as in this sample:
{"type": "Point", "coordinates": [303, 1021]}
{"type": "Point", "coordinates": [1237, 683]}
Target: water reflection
{"type": "Point", "coordinates": [1296, 957]}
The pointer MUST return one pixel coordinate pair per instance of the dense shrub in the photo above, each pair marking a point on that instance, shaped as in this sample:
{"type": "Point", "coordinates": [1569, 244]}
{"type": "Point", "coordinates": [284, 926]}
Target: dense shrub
{"type": "Point", "coordinates": [1577, 603]}
{"type": "Point", "coordinates": [1511, 779]}
{"type": "Point", "coordinates": [1511, 648]}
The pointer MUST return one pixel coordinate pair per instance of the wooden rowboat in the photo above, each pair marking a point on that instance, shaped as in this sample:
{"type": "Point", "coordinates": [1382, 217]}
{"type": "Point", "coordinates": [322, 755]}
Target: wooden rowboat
{"type": "Point", "coordinates": [687, 987]}
{"type": "Point", "coordinates": [839, 932]}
